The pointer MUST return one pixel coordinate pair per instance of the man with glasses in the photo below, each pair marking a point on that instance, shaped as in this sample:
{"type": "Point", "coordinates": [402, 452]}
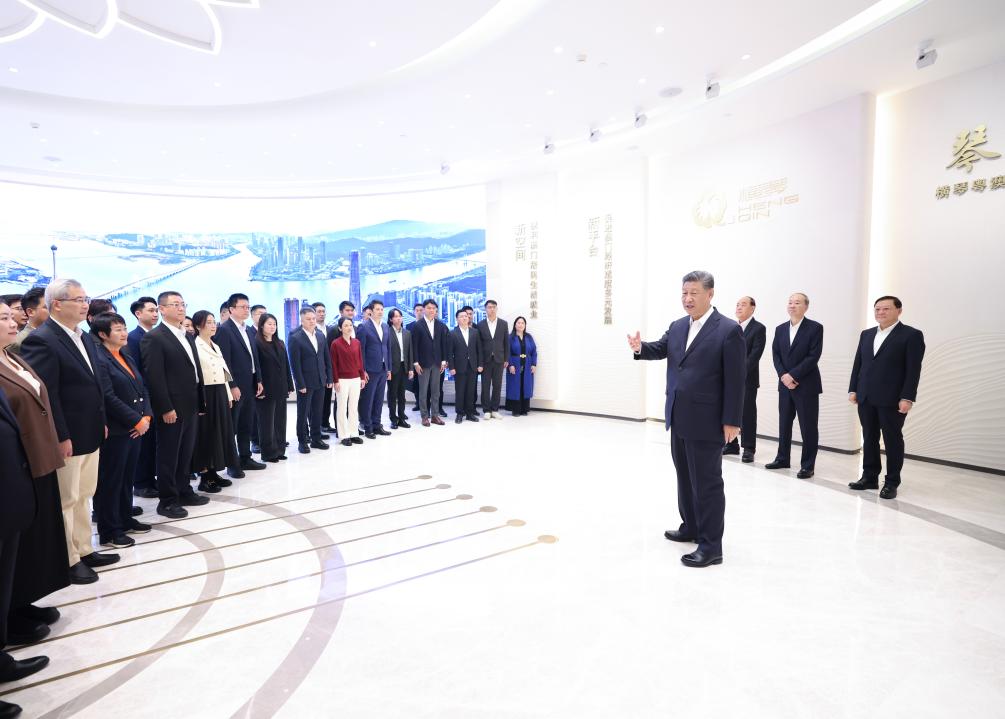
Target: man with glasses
{"type": "Point", "coordinates": [66, 360]}
{"type": "Point", "coordinates": [240, 352]}
{"type": "Point", "coordinates": [174, 378]}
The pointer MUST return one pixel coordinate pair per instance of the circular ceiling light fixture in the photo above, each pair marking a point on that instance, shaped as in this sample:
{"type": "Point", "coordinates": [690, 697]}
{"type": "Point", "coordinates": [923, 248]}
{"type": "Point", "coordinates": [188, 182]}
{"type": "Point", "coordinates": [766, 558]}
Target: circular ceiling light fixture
{"type": "Point", "coordinates": [671, 91]}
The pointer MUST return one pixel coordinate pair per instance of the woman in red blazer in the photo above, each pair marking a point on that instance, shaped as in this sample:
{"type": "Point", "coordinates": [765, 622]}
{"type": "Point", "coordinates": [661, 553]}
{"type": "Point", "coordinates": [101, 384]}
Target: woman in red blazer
{"type": "Point", "coordinates": [350, 379]}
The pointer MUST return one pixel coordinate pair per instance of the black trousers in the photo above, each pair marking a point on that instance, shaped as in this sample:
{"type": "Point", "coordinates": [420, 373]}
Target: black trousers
{"type": "Point", "coordinates": [8, 556]}
{"type": "Point", "coordinates": [492, 373]}
{"type": "Point", "coordinates": [396, 394]}
{"type": "Point", "coordinates": [807, 407]}
{"type": "Point", "coordinates": [464, 393]}
{"type": "Point", "coordinates": [113, 498]}
{"type": "Point", "coordinates": [701, 499]}
{"type": "Point", "coordinates": [326, 409]}
{"type": "Point", "coordinates": [243, 414]}
{"type": "Point", "coordinates": [309, 415]}
{"type": "Point", "coordinates": [175, 444]}
{"type": "Point", "coordinates": [144, 476]}
{"type": "Point", "coordinates": [890, 422]}
{"type": "Point", "coordinates": [272, 426]}
{"type": "Point", "coordinates": [748, 426]}
{"type": "Point", "coordinates": [371, 401]}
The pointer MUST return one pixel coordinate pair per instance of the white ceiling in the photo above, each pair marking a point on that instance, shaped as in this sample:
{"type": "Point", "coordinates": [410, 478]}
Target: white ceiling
{"type": "Point", "coordinates": [312, 97]}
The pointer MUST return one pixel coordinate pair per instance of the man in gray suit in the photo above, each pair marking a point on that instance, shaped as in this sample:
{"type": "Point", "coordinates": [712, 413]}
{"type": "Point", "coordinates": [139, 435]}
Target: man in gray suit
{"type": "Point", "coordinates": [493, 335]}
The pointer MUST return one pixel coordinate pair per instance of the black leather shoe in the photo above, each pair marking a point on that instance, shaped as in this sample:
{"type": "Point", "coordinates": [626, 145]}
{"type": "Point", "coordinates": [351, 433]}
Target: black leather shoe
{"type": "Point", "coordinates": [80, 573]}
{"type": "Point", "coordinates": [699, 558]}
{"type": "Point", "coordinates": [136, 511]}
{"type": "Point", "coordinates": [26, 631]}
{"type": "Point", "coordinates": [356, 440]}
{"type": "Point", "coordinates": [804, 473]}
{"type": "Point", "coordinates": [24, 668]}
{"type": "Point", "coordinates": [172, 511]}
{"type": "Point", "coordinates": [222, 481]}
{"type": "Point", "coordinates": [471, 418]}
{"type": "Point", "coordinates": [327, 429]}
{"type": "Point", "coordinates": [382, 431]}
{"type": "Point", "coordinates": [209, 486]}
{"type": "Point", "coordinates": [9, 711]}
{"type": "Point", "coordinates": [282, 457]}
{"type": "Point", "coordinates": [145, 492]}
{"type": "Point", "coordinates": [863, 483]}
{"type": "Point", "coordinates": [731, 449]}
{"type": "Point", "coordinates": [97, 559]}
{"type": "Point", "coordinates": [135, 527]}
{"type": "Point", "coordinates": [235, 472]}
{"type": "Point", "coordinates": [394, 425]}
{"type": "Point", "coordinates": [48, 615]}
{"type": "Point", "coordinates": [347, 443]}
{"type": "Point", "coordinates": [304, 449]}
{"type": "Point", "coordinates": [747, 457]}
{"type": "Point", "coordinates": [889, 491]}
{"type": "Point", "coordinates": [320, 444]}
{"type": "Point", "coordinates": [250, 464]}
{"type": "Point", "coordinates": [458, 419]}
{"type": "Point", "coordinates": [776, 465]}
{"type": "Point", "coordinates": [442, 412]}
{"type": "Point", "coordinates": [192, 500]}
{"type": "Point", "coordinates": [325, 435]}
{"type": "Point", "coordinates": [119, 541]}
{"type": "Point", "coordinates": [370, 435]}
{"type": "Point", "coordinates": [675, 535]}
{"type": "Point", "coordinates": [404, 423]}
{"type": "Point", "coordinates": [256, 448]}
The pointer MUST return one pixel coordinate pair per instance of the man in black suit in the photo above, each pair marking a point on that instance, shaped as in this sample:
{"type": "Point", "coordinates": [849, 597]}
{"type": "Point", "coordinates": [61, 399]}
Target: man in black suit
{"type": "Point", "coordinates": [417, 314]}
{"type": "Point", "coordinates": [429, 353]}
{"type": "Point", "coordinates": [174, 377]}
{"type": "Point", "coordinates": [704, 402]}
{"type": "Point", "coordinates": [493, 333]}
{"type": "Point", "coordinates": [311, 362]}
{"type": "Point", "coordinates": [144, 480]}
{"type": "Point", "coordinates": [401, 369]}
{"type": "Point", "coordinates": [240, 352]}
{"type": "Point", "coordinates": [321, 316]}
{"type": "Point", "coordinates": [754, 335]}
{"type": "Point", "coordinates": [464, 360]}
{"type": "Point", "coordinates": [17, 512]}
{"type": "Point", "coordinates": [66, 359]}
{"type": "Point", "coordinates": [796, 352]}
{"type": "Point", "coordinates": [884, 385]}
{"type": "Point", "coordinates": [375, 345]}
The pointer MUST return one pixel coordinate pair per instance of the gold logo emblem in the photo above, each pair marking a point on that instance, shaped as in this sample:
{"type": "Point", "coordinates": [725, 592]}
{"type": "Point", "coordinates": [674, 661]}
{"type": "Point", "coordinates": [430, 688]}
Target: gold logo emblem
{"type": "Point", "coordinates": [965, 152]}
{"type": "Point", "coordinates": [710, 209]}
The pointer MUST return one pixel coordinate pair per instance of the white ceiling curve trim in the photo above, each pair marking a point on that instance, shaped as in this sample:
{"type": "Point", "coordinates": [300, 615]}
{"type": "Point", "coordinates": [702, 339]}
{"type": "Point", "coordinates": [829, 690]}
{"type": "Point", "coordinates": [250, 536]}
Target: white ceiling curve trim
{"type": "Point", "coordinates": [28, 24]}
{"type": "Point", "coordinates": [79, 21]}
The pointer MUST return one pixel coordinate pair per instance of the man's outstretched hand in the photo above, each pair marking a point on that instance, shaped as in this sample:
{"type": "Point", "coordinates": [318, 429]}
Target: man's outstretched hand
{"type": "Point", "coordinates": [635, 342]}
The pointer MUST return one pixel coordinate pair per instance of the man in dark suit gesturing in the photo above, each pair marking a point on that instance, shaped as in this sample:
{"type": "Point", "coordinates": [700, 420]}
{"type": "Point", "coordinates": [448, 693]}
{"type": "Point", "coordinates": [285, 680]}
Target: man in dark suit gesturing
{"type": "Point", "coordinates": [796, 352]}
{"type": "Point", "coordinates": [754, 336]}
{"type": "Point", "coordinates": [704, 402]}
{"type": "Point", "coordinates": [884, 385]}
{"type": "Point", "coordinates": [240, 352]}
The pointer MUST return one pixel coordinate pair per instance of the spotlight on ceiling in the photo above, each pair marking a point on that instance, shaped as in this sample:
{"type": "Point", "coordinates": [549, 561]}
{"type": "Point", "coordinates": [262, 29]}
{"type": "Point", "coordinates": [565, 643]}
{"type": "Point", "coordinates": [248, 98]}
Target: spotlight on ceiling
{"type": "Point", "coordinates": [444, 168]}
{"type": "Point", "coordinates": [640, 119]}
{"type": "Point", "coordinates": [711, 89]}
{"type": "Point", "coordinates": [549, 147]}
{"type": "Point", "coordinates": [670, 91]}
{"type": "Point", "coordinates": [926, 56]}
{"type": "Point", "coordinates": [595, 135]}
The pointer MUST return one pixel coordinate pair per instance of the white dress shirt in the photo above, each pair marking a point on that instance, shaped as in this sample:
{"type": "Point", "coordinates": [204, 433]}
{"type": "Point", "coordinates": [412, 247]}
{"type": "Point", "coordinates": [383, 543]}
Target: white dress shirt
{"type": "Point", "coordinates": [379, 328]}
{"type": "Point", "coordinates": [400, 334]}
{"type": "Point", "coordinates": [743, 325]}
{"type": "Point", "coordinates": [464, 334]}
{"type": "Point", "coordinates": [77, 336]}
{"type": "Point", "coordinates": [182, 336]}
{"type": "Point", "coordinates": [247, 341]}
{"type": "Point", "coordinates": [793, 328]}
{"type": "Point", "coordinates": [881, 335]}
{"type": "Point", "coordinates": [492, 327]}
{"type": "Point", "coordinates": [695, 327]}
{"type": "Point", "coordinates": [431, 324]}
{"type": "Point", "coordinates": [313, 338]}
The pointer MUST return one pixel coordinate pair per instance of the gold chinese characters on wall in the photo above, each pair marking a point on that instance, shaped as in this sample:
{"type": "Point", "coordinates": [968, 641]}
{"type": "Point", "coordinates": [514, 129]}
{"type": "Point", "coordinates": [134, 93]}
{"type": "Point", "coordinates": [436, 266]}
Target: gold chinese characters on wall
{"type": "Point", "coordinates": [967, 151]}
{"type": "Point", "coordinates": [525, 241]}
{"type": "Point", "coordinates": [593, 227]}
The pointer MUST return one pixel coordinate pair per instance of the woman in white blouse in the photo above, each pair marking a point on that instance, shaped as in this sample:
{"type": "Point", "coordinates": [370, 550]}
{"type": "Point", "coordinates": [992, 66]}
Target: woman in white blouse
{"type": "Point", "coordinates": [214, 446]}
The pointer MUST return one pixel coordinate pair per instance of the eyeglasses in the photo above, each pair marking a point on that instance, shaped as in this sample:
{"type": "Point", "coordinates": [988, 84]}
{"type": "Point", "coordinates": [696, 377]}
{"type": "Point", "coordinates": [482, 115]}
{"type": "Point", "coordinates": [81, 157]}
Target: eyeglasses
{"type": "Point", "coordinates": [175, 304]}
{"type": "Point", "coordinates": [78, 300]}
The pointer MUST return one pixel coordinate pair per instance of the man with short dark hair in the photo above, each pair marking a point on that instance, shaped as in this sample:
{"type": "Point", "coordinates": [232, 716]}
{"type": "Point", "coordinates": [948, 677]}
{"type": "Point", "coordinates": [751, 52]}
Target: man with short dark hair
{"type": "Point", "coordinates": [401, 369]}
{"type": "Point", "coordinates": [414, 385]}
{"type": "Point", "coordinates": [704, 403]}
{"type": "Point", "coordinates": [884, 386]}
{"type": "Point", "coordinates": [146, 313]}
{"type": "Point", "coordinates": [493, 333]}
{"type": "Point", "coordinates": [33, 304]}
{"type": "Point", "coordinates": [311, 363]}
{"type": "Point", "coordinates": [174, 377]}
{"type": "Point", "coordinates": [754, 336]}
{"type": "Point", "coordinates": [375, 345]}
{"type": "Point", "coordinates": [240, 352]}
{"type": "Point", "coordinates": [321, 313]}
{"type": "Point", "coordinates": [224, 313]}
{"type": "Point", "coordinates": [464, 360]}
{"type": "Point", "coordinates": [796, 352]}
{"type": "Point", "coordinates": [429, 350]}
{"type": "Point", "coordinates": [256, 312]}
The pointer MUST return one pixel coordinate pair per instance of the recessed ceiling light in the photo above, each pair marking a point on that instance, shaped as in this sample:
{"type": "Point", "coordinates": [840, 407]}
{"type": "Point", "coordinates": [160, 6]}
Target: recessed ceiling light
{"type": "Point", "coordinates": [380, 123]}
{"type": "Point", "coordinates": [642, 81]}
{"type": "Point", "coordinates": [95, 132]}
{"type": "Point", "coordinates": [549, 93]}
{"type": "Point", "coordinates": [660, 29]}
{"type": "Point", "coordinates": [331, 162]}
{"type": "Point", "coordinates": [359, 145]}
{"type": "Point", "coordinates": [293, 135]}
{"type": "Point", "coordinates": [372, 43]}
{"type": "Point", "coordinates": [42, 139]}
{"type": "Point", "coordinates": [558, 49]}
{"type": "Point", "coordinates": [612, 118]}
{"type": "Point", "coordinates": [265, 152]}
{"type": "Point", "coordinates": [671, 91]}
{"type": "Point", "coordinates": [427, 149]}
{"type": "Point", "coordinates": [745, 56]}
{"type": "Point", "coordinates": [13, 69]}
{"type": "Point", "coordinates": [202, 139]}
{"type": "Point", "coordinates": [467, 96]}
{"type": "Point", "coordinates": [164, 152]}
{"type": "Point", "coordinates": [217, 84]}
{"type": "Point", "coordinates": [527, 125]}
{"type": "Point", "coordinates": [227, 165]}
{"type": "Point", "coordinates": [114, 161]}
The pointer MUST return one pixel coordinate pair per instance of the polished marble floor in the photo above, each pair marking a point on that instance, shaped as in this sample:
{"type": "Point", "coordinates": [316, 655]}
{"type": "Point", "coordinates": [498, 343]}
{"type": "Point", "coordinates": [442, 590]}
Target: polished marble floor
{"type": "Point", "coordinates": [517, 568]}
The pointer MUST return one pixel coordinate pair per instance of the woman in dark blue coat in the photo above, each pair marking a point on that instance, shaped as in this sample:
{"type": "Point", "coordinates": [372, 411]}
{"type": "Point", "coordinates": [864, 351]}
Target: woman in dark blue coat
{"type": "Point", "coordinates": [522, 366]}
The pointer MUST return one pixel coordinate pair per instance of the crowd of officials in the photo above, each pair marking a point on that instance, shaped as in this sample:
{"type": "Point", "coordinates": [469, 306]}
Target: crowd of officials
{"type": "Point", "coordinates": [88, 420]}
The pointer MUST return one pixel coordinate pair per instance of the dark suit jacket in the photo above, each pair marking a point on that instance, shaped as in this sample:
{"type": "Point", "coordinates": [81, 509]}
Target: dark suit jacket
{"type": "Point", "coordinates": [17, 491]}
{"type": "Point", "coordinates": [133, 344]}
{"type": "Point", "coordinates": [755, 336]}
{"type": "Point", "coordinates": [311, 370]}
{"type": "Point", "coordinates": [427, 350]}
{"type": "Point", "coordinates": [276, 378]}
{"type": "Point", "coordinates": [801, 359]}
{"type": "Point", "coordinates": [126, 398]}
{"type": "Point", "coordinates": [494, 349]}
{"type": "Point", "coordinates": [34, 415]}
{"type": "Point", "coordinates": [376, 352]}
{"type": "Point", "coordinates": [893, 373]}
{"type": "Point", "coordinates": [406, 339]}
{"type": "Point", "coordinates": [75, 391]}
{"type": "Point", "coordinates": [463, 357]}
{"type": "Point", "coordinates": [704, 383]}
{"type": "Point", "coordinates": [170, 378]}
{"type": "Point", "coordinates": [235, 354]}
